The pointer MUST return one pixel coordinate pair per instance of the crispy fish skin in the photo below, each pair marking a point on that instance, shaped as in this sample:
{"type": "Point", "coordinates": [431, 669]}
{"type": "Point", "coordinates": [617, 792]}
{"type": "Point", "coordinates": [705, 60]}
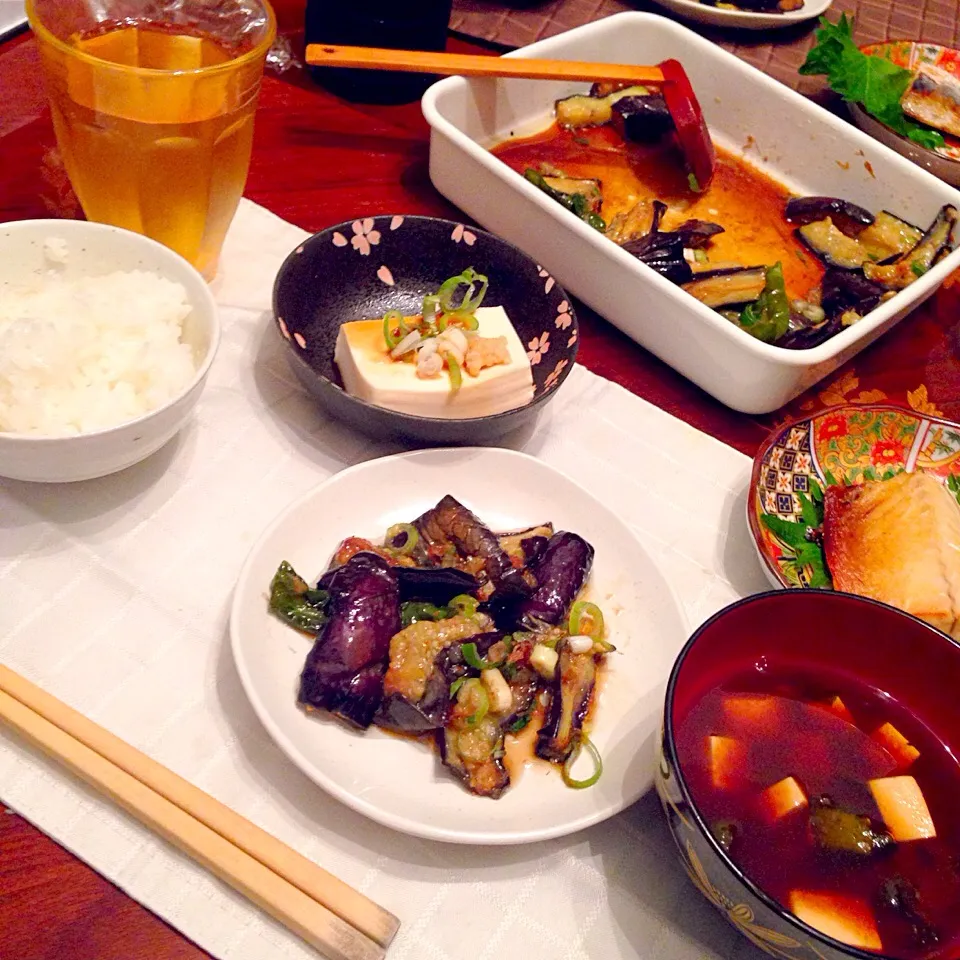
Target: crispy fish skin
{"type": "Point", "coordinates": [933, 98]}
{"type": "Point", "coordinates": [897, 541]}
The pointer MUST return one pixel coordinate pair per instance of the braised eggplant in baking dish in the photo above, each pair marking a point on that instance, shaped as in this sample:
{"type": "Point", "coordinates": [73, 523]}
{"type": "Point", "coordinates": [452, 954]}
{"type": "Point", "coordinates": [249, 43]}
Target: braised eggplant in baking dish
{"type": "Point", "coordinates": [791, 271]}
{"type": "Point", "coordinates": [478, 643]}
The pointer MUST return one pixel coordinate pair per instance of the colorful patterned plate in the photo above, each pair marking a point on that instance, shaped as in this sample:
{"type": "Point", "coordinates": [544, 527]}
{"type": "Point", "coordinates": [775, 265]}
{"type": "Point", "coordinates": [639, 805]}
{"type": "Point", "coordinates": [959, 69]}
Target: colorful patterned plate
{"type": "Point", "coordinates": [845, 444]}
{"type": "Point", "coordinates": [944, 161]}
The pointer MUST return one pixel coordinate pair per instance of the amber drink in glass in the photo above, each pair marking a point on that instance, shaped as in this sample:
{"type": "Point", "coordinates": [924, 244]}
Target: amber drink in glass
{"type": "Point", "coordinates": [153, 107]}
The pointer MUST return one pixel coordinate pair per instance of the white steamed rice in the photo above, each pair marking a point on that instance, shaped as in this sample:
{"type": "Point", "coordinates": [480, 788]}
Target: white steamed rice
{"type": "Point", "coordinates": [89, 353]}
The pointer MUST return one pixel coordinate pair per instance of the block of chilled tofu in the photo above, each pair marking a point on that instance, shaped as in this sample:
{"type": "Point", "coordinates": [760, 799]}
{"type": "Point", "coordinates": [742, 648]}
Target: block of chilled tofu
{"type": "Point", "coordinates": [368, 372]}
{"type": "Point", "coordinates": [903, 808]}
{"type": "Point", "coordinates": [782, 798]}
{"type": "Point", "coordinates": [846, 919]}
{"type": "Point", "coordinates": [896, 744]}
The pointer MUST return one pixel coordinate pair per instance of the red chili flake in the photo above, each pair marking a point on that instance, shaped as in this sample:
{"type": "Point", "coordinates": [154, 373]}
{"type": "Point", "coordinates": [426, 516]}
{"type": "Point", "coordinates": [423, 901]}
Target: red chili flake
{"type": "Point", "coordinates": [354, 545]}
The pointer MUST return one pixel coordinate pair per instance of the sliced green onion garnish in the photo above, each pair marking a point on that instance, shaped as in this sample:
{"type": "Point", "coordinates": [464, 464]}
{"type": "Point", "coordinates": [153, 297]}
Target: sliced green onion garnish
{"type": "Point", "coordinates": [469, 304]}
{"type": "Point", "coordinates": [474, 690]}
{"type": "Point", "coordinates": [388, 338]}
{"type": "Point", "coordinates": [472, 297]}
{"type": "Point", "coordinates": [473, 658]}
{"type": "Point", "coordinates": [586, 619]}
{"type": "Point", "coordinates": [463, 604]}
{"type": "Point", "coordinates": [583, 741]}
{"type": "Point", "coordinates": [431, 307]}
{"type": "Point", "coordinates": [456, 377]}
{"type": "Point", "coordinates": [415, 610]}
{"type": "Point", "coordinates": [456, 685]}
{"type": "Point", "coordinates": [409, 534]}
{"type": "Point", "coordinates": [519, 723]}
{"type": "Point", "coordinates": [442, 322]}
{"type": "Point", "coordinates": [466, 320]}
{"type": "Point", "coordinates": [449, 288]}
{"type": "Point", "coordinates": [391, 319]}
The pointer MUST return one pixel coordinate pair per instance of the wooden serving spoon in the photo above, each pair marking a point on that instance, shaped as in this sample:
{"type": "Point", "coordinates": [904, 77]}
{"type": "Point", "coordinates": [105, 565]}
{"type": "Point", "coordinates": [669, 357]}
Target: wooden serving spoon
{"type": "Point", "coordinates": [692, 134]}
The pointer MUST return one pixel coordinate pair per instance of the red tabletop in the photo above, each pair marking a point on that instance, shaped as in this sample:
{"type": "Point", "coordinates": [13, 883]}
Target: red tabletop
{"type": "Point", "coordinates": [319, 160]}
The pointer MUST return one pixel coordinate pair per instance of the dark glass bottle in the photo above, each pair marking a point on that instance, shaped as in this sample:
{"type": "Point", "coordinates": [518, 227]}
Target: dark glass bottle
{"type": "Point", "coordinates": [411, 25]}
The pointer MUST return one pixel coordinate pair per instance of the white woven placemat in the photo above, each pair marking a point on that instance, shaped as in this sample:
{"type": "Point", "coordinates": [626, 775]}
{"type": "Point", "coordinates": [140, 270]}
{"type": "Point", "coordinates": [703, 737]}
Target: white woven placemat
{"type": "Point", "coordinates": [115, 595]}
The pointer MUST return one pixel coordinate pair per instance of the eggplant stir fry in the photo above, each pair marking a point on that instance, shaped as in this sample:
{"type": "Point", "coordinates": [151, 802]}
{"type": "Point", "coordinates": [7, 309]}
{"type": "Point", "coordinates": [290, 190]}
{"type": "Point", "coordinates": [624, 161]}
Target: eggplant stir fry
{"type": "Point", "coordinates": [757, 6]}
{"type": "Point", "coordinates": [457, 635]}
{"type": "Point", "coordinates": [867, 257]}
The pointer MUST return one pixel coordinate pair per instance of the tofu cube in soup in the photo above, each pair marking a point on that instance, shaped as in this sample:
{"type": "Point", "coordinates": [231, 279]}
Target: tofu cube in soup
{"type": "Point", "coordinates": [753, 712]}
{"type": "Point", "coordinates": [783, 797]}
{"type": "Point", "coordinates": [839, 709]}
{"type": "Point", "coordinates": [904, 810]}
{"type": "Point", "coordinates": [728, 760]}
{"type": "Point", "coordinates": [846, 919]}
{"type": "Point", "coordinates": [896, 744]}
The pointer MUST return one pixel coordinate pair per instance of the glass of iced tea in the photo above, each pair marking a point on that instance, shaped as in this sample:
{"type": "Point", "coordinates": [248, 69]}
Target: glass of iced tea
{"type": "Point", "coordinates": [153, 107]}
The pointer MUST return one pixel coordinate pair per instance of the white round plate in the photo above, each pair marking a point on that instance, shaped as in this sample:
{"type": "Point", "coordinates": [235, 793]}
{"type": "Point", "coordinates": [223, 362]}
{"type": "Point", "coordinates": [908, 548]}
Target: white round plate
{"type": "Point", "coordinates": [744, 19]}
{"type": "Point", "coordinates": [401, 783]}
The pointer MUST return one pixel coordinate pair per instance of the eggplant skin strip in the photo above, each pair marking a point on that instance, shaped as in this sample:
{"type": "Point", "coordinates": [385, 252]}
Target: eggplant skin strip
{"type": "Point", "coordinates": [344, 670]}
{"type": "Point", "coordinates": [571, 695]}
{"type": "Point", "coordinates": [451, 522]}
{"type": "Point", "coordinates": [474, 755]}
{"type": "Point", "coordinates": [560, 572]}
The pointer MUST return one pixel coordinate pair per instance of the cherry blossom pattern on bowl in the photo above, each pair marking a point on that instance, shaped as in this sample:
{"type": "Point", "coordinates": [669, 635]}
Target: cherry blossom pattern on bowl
{"type": "Point", "coordinates": [840, 445]}
{"type": "Point", "coordinates": [362, 268]}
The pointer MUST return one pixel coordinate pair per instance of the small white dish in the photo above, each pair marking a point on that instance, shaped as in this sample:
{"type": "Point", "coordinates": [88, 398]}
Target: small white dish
{"type": "Point", "coordinates": [401, 783]}
{"type": "Point", "coordinates": [743, 19]}
{"type": "Point", "coordinates": [96, 249]}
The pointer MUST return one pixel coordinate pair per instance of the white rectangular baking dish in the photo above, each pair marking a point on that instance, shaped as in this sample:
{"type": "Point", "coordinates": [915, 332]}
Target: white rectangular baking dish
{"type": "Point", "coordinates": [784, 134]}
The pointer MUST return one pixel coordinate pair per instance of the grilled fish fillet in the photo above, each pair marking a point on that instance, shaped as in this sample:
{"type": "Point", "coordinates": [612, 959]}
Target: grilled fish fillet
{"type": "Point", "coordinates": [897, 541]}
{"type": "Point", "coordinates": [933, 98]}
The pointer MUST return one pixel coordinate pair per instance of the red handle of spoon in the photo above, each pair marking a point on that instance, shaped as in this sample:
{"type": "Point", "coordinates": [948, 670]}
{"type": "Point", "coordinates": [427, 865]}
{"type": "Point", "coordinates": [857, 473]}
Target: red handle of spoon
{"type": "Point", "coordinates": [692, 132]}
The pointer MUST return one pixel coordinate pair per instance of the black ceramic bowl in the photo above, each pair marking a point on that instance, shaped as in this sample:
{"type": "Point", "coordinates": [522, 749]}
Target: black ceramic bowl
{"type": "Point", "coordinates": [363, 268]}
{"type": "Point", "coordinates": [883, 649]}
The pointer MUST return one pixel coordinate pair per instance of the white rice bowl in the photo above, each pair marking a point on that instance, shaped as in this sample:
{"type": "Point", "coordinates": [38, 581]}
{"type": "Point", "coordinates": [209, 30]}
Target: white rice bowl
{"type": "Point", "coordinates": [106, 340]}
{"type": "Point", "coordinates": [84, 354]}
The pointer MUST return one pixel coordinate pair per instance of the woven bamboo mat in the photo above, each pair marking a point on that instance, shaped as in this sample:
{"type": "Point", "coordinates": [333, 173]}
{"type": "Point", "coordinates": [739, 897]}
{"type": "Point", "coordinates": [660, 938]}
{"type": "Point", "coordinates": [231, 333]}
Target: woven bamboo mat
{"type": "Point", "coordinates": [778, 53]}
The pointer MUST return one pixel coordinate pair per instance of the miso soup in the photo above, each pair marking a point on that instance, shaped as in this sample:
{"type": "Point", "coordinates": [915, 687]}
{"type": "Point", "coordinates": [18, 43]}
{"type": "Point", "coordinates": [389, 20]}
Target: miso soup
{"type": "Point", "coordinates": [836, 802]}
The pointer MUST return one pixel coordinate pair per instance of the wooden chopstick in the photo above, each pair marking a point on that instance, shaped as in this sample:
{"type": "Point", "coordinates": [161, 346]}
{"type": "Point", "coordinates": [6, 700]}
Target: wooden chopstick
{"type": "Point", "coordinates": [326, 912]}
{"type": "Point", "coordinates": [471, 65]}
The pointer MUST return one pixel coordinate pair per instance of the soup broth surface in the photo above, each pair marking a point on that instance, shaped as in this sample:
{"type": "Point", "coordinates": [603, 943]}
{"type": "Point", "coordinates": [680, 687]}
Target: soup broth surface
{"type": "Point", "coordinates": [784, 721]}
